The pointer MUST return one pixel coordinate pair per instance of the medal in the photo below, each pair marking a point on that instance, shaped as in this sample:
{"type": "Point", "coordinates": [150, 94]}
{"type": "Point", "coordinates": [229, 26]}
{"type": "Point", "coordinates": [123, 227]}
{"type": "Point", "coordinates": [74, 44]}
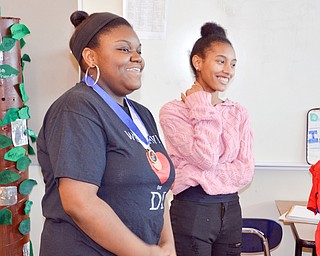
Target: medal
{"type": "Point", "coordinates": [153, 158]}
{"type": "Point", "coordinates": [159, 164]}
{"type": "Point", "coordinates": [133, 122]}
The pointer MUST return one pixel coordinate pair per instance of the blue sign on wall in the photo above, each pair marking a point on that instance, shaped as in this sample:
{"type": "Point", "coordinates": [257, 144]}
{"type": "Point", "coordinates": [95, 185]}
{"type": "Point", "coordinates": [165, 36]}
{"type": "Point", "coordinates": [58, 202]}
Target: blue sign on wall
{"type": "Point", "coordinates": [313, 136]}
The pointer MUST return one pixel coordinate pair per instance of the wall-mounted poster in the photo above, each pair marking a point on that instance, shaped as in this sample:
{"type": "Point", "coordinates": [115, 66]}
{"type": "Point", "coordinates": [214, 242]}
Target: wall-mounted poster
{"type": "Point", "coordinates": [148, 18]}
{"type": "Point", "coordinates": [313, 136]}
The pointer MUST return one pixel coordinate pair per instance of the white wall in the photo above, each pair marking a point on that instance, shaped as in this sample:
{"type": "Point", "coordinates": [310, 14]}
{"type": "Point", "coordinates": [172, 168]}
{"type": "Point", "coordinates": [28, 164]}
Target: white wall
{"type": "Point", "coordinates": [52, 71]}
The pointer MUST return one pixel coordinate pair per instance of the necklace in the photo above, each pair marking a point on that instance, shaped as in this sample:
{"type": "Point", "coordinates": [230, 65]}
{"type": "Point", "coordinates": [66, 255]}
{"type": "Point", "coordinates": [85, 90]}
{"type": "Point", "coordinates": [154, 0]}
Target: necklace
{"type": "Point", "coordinates": [134, 123]}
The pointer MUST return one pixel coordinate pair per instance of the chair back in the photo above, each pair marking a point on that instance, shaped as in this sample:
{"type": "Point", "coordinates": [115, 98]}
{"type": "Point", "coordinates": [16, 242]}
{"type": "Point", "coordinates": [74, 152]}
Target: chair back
{"type": "Point", "coordinates": [253, 243]}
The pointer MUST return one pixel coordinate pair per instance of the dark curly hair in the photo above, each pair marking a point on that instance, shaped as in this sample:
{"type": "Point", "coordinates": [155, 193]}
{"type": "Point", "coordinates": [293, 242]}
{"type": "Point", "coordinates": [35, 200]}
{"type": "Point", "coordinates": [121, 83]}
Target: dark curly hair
{"type": "Point", "coordinates": [210, 33]}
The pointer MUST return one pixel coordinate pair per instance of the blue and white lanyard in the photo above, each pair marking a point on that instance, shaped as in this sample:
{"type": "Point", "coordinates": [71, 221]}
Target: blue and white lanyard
{"type": "Point", "coordinates": [135, 123]}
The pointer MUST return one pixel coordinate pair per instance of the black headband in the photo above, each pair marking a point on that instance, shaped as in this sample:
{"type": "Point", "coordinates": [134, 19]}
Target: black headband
{"type": "Point", "coordinates": [89, 28]}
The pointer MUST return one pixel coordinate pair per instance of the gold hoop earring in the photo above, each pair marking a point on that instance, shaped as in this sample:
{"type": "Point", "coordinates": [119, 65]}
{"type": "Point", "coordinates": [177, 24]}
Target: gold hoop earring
{"type": "Point", "coordinates": [87, 74]}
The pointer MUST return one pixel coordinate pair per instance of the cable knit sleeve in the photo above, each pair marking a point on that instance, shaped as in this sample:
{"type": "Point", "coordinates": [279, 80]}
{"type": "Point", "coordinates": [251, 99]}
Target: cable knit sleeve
{"type": "Point", "coordinates": [232, 173]}
{"type": "Point", "coordinates": [210, 146]}
{"type": "Point", "coordinates": [192, 133]}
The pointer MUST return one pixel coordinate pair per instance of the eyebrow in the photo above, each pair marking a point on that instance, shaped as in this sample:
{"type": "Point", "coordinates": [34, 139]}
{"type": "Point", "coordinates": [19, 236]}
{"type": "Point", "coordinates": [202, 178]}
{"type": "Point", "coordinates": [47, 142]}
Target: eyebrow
{"type": "Point", "coordinates": [223, 56]}
{"type": "Point", "coordinates": [125, 41]}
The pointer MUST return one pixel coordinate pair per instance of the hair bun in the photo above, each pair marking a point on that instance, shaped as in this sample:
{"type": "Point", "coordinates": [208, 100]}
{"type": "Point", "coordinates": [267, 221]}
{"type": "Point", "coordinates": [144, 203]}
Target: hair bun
{"type": "Point", "coordinates": [211, 28]}
{"type": "Point", "coordinates": [77, 17]}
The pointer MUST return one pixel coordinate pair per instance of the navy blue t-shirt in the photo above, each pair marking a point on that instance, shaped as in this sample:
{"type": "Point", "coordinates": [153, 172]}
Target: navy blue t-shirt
{"type": "Point", "coordinates": [83, 139]}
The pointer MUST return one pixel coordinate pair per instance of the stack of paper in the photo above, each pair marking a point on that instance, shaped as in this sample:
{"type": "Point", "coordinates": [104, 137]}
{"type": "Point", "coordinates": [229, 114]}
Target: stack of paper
{"type": "Point", "coordinates": [299, 213]}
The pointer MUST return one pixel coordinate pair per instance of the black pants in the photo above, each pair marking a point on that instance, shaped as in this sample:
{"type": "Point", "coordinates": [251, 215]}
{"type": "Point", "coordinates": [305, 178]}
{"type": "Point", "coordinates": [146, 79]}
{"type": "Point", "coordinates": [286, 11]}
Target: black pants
{"type": "Point", "coordinates": [206, 229]}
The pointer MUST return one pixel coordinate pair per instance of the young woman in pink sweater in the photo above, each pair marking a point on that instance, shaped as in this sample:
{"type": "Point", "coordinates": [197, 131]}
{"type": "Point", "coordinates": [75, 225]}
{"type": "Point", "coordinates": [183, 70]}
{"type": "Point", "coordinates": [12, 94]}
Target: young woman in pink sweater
{"type": "Point", "coordinates": [210, 143]}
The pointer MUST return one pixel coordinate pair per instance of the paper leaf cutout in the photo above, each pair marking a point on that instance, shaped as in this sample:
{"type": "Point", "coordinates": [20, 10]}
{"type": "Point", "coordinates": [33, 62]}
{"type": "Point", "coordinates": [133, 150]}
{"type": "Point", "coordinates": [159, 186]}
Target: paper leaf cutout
{"type": "Point", "coordinates": [24, 112]}
{"type": "Point", "coordinates": [24, 226]}
{"type": "Point", "coordinates": [26, 57]}
{"type": "Point", "coordinates": [31, 248]}
{"type": "Point", "coordinates": [6, 71]}
{"type": "Point", "coordinates": [5, 141]}
{"type": "Point", "coordinates": [5, 217]}
{"type": "Point", "coordinates": [7, 176]}
{"type": "Point", "coordinates": [26, 186]}
{"type": "Point", "coordinates": [14, 154]}
{"type": "Point", "coordinates": [24, 95]}
{"type": "Point", "coordinates": [7, 44]}
{"type": "Point", "coordinates": [11, 116]}
{"type": "Point", "coordinates": [31, 134]}
{"type": "Point", "coordinates": [23, 163]}
{"type": "Point", "coordinates": [31, 150]}
{"type": "Point", "coordinates": [22, 43]}
{"type": "Point", "coordinates": [27, 207]}
{"type": "Point", "coordinates": [18, 31]}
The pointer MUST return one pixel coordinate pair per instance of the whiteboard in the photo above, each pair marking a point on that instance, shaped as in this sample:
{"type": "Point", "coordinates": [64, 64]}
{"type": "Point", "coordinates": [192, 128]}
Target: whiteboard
{"type": "Point", "coordinates": [277, 44]}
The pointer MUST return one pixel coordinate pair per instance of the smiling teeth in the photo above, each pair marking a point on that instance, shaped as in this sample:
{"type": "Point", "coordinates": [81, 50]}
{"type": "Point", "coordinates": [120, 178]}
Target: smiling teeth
{"type": "Point", "coordinates": [223, 79]}
{"type": "Point", "coordinates": [134, 69]}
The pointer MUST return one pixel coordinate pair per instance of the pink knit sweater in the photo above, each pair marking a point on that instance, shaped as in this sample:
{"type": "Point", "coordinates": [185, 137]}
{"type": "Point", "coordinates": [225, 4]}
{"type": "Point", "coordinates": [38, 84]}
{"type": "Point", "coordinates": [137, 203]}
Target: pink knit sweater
{"type": "Point", "coordinates": [210, 146]}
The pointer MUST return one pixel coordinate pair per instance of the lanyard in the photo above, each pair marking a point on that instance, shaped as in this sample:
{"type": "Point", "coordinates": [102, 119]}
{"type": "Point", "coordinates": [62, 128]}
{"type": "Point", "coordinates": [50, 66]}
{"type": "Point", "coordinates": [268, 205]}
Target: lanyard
{"type": "Point", "coordinates": [135, 123]}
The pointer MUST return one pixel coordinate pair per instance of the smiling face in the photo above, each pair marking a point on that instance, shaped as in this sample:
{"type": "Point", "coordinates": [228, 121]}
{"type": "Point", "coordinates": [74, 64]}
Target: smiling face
{"type": "Point", "coordinates": [217, 68]}
{"type": "Point", "coordinates": [118, 57]}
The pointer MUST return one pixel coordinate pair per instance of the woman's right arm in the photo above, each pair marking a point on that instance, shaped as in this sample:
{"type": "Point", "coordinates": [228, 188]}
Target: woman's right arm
{"type": "Point", "coordinates": [97, 219]}
{"type": "Point", "coordinates": [193, 133]}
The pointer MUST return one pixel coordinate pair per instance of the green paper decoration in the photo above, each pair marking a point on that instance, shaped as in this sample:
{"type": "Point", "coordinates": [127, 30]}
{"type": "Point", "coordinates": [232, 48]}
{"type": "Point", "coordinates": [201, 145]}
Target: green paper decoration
{"type": "Point", "coordinates": [7, 44]}
{"type": "Point", "coordinates": [27, 207]}
{"type": "Point", "coordinates": [24, 226]}
{"type": "Point", "coordinates": [11, 115]}
{"type": "Point", "coordinates": [24, 112]}
{"type": "Point", "coordinates": [18, 31]}
{"type": "Point", "coordinates": [15, 154]}
{"type": "Point", "coordinates": [23, 163]}
{"type": "Point", "coordinates": [14, 113]}
{"type": "Point", "coordinates": [24, 95]}
{"type": "Point", "coordinates": [6, 71]}
{"type": "Point", "coordinates": [7, 176]}
{"type": "Point", "coordinates": [31, 249]}
{"type": "Point", "coordinates": [31, 150]}
{"type": "Point", "coordinates": [31, 134]}
{"type": "Point", "coordinates": [26, 186]}
{"type": "Point", "coordinates": [5, 141]}
{"type": "Point", "coordinates": [22, 43]}
{"type": "Point", "coordinates": [26, 57]}
{"type": "Point", "coordinates": [5, 217]}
